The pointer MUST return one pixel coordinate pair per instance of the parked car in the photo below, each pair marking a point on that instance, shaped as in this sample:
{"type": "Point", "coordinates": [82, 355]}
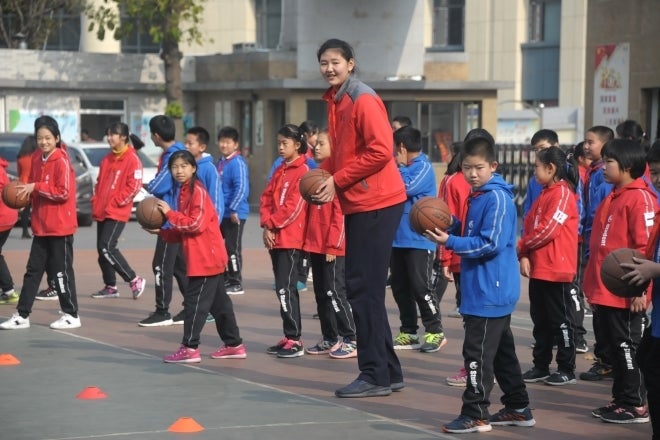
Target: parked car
{"type": "Point", "coordinates": [10, 144]}
{"type": "Point", "coordinates": [94, 152]}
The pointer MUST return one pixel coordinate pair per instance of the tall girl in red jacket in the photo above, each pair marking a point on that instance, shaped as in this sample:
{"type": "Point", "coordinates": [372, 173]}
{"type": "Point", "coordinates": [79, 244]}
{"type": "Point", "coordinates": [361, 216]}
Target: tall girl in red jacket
{"type": "Point", "coordinates": [548, 257]}
{"type": "Point", "coordinates": [195, 225]}
{"type": "Point", "coordinates": [324, 240]}
{"type": "Point", "coordinates": [283, 214]}
{"type": "Point", "coordinates": [120, 179]}
{"type": "Point", "coordinates": [624, 219]}
{"type": "Point", "coordinates": [52, 192]}
{"type": "Point", "coordinates": [8, 217]}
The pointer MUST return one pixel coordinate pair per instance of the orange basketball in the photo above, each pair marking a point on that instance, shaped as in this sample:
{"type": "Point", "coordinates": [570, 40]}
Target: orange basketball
{"type": "Point", "coordinates": [429, 213]}
{"type": "Point", "coordinates": [310, 182]}
{"type": "Point", "coordinates": [11, 198]}
{"type": "Point", "coordinates": [148, 214]}
{"type": "Point", "coordinates": [611, 273]}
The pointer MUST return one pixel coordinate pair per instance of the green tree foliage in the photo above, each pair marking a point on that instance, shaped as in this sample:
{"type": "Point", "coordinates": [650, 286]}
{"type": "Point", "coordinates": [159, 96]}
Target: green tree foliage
{"type": "Point", "coordinates": [33, 19]}
{"type": "Point", "coordinates": [168, 22]}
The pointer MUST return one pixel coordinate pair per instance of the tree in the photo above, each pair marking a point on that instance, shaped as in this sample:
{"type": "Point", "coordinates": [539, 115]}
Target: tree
{"type": "Point", "coordinates": [168, 22]}
{"type": "Point", "coordinates": [32, 19]}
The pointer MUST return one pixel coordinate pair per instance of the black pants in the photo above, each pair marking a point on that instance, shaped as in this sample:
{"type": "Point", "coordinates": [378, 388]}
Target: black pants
{"type": "Point", "coordinates": [412, 287]}
{"type": "Point", "coordinates": [25, 221]}
{"type": "Point", "coordinates": [168, 263]}
{"type": "Point", "coordinates": [457, 284]}
{"type": "Point", "coordinates": [489, 350]}
{"type": "Point", "coordinates": [54, 255]}
{"type": "Point", "coordinates": [552, 309]}
{"type": "Point", "coordinates": [204, 295]}
{"type": "Point", "coordinates": [580, 331]}
{"type": "Point", "coordinates": [369, 237]}
{"type": "Point", "coordinates": [6, 281]}
{"type": "Point", "coordinates": [285, 262]}
{"type": "Point", "coordinates": [602, 350]}
{"type": "Point", "coordinates": [233, 236]}
{"type": "Point", "coordinates": [334, 311]}
{"type": "Point", "coordinates": [303, 267]}
{"type": "Point", "coordinates": [648, 354]}
{"type": "Point", "coordinates": [111, 261]}
{"type": "Point", "coordinates": [621, 331]}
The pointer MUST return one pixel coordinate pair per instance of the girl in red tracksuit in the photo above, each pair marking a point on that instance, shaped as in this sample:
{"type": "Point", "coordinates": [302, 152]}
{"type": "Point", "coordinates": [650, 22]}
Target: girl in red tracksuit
{"type": "Point", "coordinates": [195, 225]}
{"type": "Point", "coordinates": [119, 180]}
{"type": "Point", "coordinates": [548, 257]}
{"type": "Point", "coordinates": [8, 218]}
{"type": "Point", "coordinates": [52, 192]}
{"type": "Point", "coordinates": [283, 214]}
{"type": "Point", "coordinates": [624, 219]}
{"type": "Point", "coordinates": [324, 240]}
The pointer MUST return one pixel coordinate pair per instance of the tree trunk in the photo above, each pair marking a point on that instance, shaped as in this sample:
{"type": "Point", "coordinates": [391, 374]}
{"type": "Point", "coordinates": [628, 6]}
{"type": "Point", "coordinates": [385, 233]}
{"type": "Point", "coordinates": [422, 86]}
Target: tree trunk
{"type": "Point", "coordinates": [171, 56]}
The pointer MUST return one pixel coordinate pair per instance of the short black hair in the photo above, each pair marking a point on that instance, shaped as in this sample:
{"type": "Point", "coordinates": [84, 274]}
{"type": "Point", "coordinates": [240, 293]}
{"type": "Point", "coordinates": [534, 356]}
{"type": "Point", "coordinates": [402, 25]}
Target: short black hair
{"type": "Point", "coordinates": [201, 133]}
{"type": "Point", "coordinates": [545, 135]}
{"type": "Point", "coordinates": [628, 154]}
{"type": "Point", "coordinates": [403, 120]}
{"type": "Point", "coordinates": [310, 128]}
{"type": "Point", "coordinates": [479, 133]}
{"type": "Point", "coordinates": [163, 126]}
{"type": "Point", "coordinates": [654, 153]}
{"type": "Point", "coordinates": [479, 146]}
{"type": "Point", "coordinates": [410, 137]}
{"type": "Point", "coordinates": [228, 132]}
{"type": "Point", "coordinates": [604, 133]}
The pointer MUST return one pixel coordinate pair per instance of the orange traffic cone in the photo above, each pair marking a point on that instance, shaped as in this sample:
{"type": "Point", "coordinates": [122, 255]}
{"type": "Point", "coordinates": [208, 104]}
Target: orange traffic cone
{"type": "Point", "coordinates": [91, 393]}
{"type": "Point", "coordinates": [185, 424]}
{"type": "Point", "coordinates": [8, 359]}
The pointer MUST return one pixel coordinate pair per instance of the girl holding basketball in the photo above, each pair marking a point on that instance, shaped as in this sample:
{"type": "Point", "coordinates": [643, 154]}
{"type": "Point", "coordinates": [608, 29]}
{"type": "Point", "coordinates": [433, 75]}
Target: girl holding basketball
{"type": "Point", "coordinates": [8, 218]}
{"type": "Point", "coordinates": [547, 252]}
{"type": "Point", "coordinates": [283, 217]}
{"type": "Point", "coordinates": [324, 240]}
{"type": "Point", "coordinates": [195, 225]}
{"type": "Point", "coordinates": [624, 219]}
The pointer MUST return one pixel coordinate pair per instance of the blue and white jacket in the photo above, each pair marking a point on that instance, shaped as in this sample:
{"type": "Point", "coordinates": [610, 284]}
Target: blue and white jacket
{"type": "Point", "coordinates": [419, 179]}
{"type": "Point", "coordinates": [208, 175]}
{"type": "Point", "coordinates": [235, 178]}
{"type": "Point", "coordinates": [162, 186]}
{"type": "Point", "coordinates": [490, 278]}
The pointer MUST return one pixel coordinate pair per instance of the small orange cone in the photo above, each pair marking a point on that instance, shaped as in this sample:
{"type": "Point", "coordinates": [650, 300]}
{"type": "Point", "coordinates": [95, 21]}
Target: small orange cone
{"type": "Point", "coordinates": [91, 393]}
{"type": "Point", "coordinates": [185, 424]}
{"type": "Point", "coordinates": [8, 359]}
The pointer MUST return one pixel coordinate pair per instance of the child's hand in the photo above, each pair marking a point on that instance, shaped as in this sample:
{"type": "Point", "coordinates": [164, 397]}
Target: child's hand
{"type": "Point", "coordinates": [525, 267]}
{"type": "Point", "coordinates": [23, 191]}
{"type": "Point", "coordinates": [329, 258]}
{"type": "Point", "coordinates": [446, 273]}
{"type": "Point", "coordinates": [640, 271]}
{"type": "Point", "coordinates": [438, 236]}
{"type": "Point", "coordinates": [326, 191]}
{"type": "Point", "coordinates": [638, 304]}
{"type": "Point", "coordinates": [269, 238]}
{"type": "Point", "coordinates": [163, 206]}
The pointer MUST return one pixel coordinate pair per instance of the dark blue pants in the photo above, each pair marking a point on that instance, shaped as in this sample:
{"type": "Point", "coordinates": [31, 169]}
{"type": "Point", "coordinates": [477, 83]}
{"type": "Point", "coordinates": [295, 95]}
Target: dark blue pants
{"type": "Point", "coordinates": [168, 263]}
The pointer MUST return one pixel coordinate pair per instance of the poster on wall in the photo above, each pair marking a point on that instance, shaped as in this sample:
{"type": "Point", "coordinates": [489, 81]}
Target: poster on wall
{"type": "Point", "coordinates": [611, 79]}
{"type": "Point", "coordinates": [22, 121]}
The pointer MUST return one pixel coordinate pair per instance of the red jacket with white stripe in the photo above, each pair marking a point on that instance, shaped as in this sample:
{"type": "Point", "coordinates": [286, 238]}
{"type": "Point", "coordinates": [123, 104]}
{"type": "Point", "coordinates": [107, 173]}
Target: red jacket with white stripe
{"type": "Point", "coordinates": [454, 190]}
{"type": "Point", "coordinates": [54, 195]}
{"type": "Point", "coordinates": [282, 208]}
{"type": "Point", "coordinates": [551, 234]}
{"type": "Point", "coordinates": [120, 179]}
{"type": "Point", "coordinates": [196, 226]}
{"type": "Point", "coordinates": [325, 229]}
{"type": "Point", "coordinates": [362, 162]}
{"type": "Point", "coordinates": [624, 219]}
{"type": "Point", "coordinates": [8, 216]}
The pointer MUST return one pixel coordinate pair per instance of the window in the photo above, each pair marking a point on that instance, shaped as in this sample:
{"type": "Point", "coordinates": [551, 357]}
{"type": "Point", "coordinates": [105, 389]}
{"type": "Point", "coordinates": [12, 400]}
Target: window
{"type": "Point", "coordinates": [540, 75]}
{"type": "Point", "coordinates": [544, 21]}
{"type": "Point", "coordinates": [269, 23]}
{"type": "Point", "coordinates": [138, 42]}
{"type": "Point", "coordinates": [97, 114]}
{"type": "Point", "coordinates": [66, 32]}
{"type": "Point", "coordinates": [448, 25]}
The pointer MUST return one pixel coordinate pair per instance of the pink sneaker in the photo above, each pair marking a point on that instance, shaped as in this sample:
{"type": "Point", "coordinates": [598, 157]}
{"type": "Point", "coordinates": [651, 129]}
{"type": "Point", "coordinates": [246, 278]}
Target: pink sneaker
{"type": "Point", "coordinates": [227, 352]}
{"type": "Point", "coordinates": [460, 380]}
{"type": "Point", "coordinates": [184, 355]}
{"type": "Point", "coordinates": [137, 287]}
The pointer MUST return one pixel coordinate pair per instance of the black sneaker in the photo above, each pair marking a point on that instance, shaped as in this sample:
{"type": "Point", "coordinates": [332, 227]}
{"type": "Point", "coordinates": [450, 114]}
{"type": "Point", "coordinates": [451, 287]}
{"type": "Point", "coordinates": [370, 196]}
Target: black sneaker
{"type": "Point", "coordinates": [235, 289]}
{"type": "Point", "coordinates": [581, 346]}
{"type": "Point", "coordinates": [598, 412]}
{"type": "Point", "coordinates": [512, 417]}
{"type": "Point", "coordinates": [598, 371]}
{"type": "Point", "coordinates": [535, 375]}
{"type": "Point", "coordinates": [274, 349]}
{"type": "Point", "coordinates": [48, 294]}
{"type": "Point", "coordinates": [178, 318]}
{"type": "Point", "coordinates": [624, 414]}
{"type": "Point", "coordinates": [560, 378]}
{"type": "Point", "coordinates": [291, 349]}
{"type": "Point", "coordinates": [156, 319]}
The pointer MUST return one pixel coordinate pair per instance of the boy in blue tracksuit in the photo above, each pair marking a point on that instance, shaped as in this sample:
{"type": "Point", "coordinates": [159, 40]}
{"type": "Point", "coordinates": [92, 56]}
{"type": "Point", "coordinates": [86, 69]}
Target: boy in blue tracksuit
{"type": "Point", "coordinates": [235, 180]}
{"type": "Point", "coordinates": [168, 261]}
{"type": "Point", "coordinates": [489, 266]}
{"type": "Point", "coordinates": [411, 263]}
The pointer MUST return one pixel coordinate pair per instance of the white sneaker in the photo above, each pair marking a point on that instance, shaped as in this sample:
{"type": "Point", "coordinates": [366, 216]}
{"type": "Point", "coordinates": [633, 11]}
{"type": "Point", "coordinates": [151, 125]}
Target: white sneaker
{"type": "Point", "coordinates": [66, 321]}
{"type": "Point", "coordinates": [15, 322]}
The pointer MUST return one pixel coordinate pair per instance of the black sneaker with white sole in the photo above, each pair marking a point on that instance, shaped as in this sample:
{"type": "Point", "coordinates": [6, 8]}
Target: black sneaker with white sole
{"type": "Point", "coordinates": [560, 378]}
{"type": "Point", "coordinates": [535, 375]}
{"type": "Point", "coordinates": [156, 319]}
{"type": "Point", "coordinates": [48, 294]}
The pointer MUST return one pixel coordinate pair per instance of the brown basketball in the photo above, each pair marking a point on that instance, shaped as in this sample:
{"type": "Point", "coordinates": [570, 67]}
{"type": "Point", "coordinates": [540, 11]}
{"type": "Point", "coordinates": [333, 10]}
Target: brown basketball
{"type": "Point", "coordinates": [11, 198]}
{"type": "Point", "coordinates": [611, 273]}
{"type": "Point", "coordinates": [148, 214]}
{"type": "Point", "coordinates": [311, 181]}
{"type": "Point", "coordinates": [429, 213]}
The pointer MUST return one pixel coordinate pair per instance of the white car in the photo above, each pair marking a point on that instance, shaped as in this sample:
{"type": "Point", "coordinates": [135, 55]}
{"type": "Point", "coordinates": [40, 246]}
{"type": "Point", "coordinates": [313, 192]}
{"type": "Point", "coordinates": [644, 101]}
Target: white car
{"type": "Point", "coordinates": [94, 152]}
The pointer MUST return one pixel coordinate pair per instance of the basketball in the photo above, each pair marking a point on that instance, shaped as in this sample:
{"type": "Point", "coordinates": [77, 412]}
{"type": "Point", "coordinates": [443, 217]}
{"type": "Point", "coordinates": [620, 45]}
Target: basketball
{"type": "Point", "coordinates": [611, 273]}
{"type": "Point", "coordinates": [148, 214]}
{"type": "Point", "coordinates": [10, 196]}
{"type": "Point", "coordinates": [429, 213]}
{"type": "Point", "coordinates": [310, 182]}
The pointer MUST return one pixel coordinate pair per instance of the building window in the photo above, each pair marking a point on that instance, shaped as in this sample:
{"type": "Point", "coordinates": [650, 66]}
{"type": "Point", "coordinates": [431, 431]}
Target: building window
{"type": "Point", "coordinates": [448, 25]}
{"type": "Point", "coordinates": [66, 33]}
{"type": "Point", "coordinates": [98, 114]}
{"type": "Point", "coordinates": [544, 21]}
{"type": "Point", "coordinates": [137, 41]}
{"type": "Point", "coordinates": [269, 23]}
